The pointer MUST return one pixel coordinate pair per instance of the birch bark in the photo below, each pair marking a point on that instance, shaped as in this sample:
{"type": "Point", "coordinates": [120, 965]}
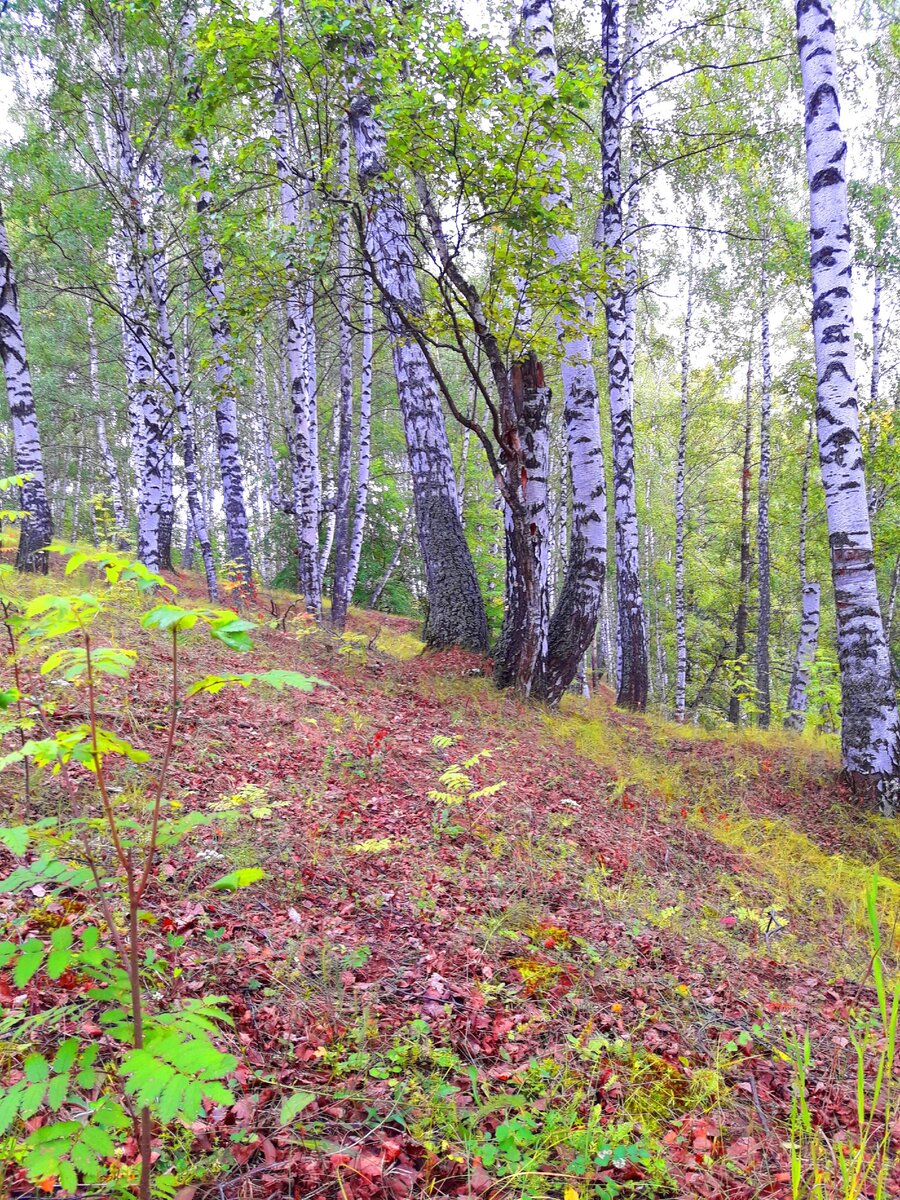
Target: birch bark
{"type": "Point", "coordinates": [574, 619]}
{"type": "Point", "coordinates": [456, 613]}
{"type": "Point", "coordinates": [364, 450]}
{"type": "Point", "coordinates": [811, 602]}
{"type": "Point", "coordinates": [743, 608]}
{"type": "Point", "coordinates": [305, 436]}
{"type": "Point", "coordinates": [763, 697]}
{"type": "Point", "coordinates": [870, 732]}
{"type": "Point", "coordinates": [107, 458]}
{"type": "Point", "coordinates": [37, 527]}
{"type": "Point", "coordinates": [340, 597]}
{"type": "Point", "coordinates": [681, 659]}
{"type": "Point", "coordinates": [632, 645]}
{"type": "Point", "coordinates": [236, 529]}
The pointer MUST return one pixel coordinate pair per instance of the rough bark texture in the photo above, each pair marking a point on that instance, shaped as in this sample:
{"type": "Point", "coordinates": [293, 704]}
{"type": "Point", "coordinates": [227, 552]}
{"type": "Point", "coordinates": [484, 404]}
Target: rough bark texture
{"type": "Point", "coordinates": [681, 658]}
{"type": "Point", "coordinates": [740, 620]}
{"type": "Point", "coordinates": [456, 613]}
{"type": "Point", "coordinates": [632, 644]}
{"type": "Point", "coordinates": [763, 698]}
{"type": "Point", "coordinates": [107, 458]}
{"type": "Point", "coordinates": [806, 654]}
{"type": "Point", "coordinates": [37, 527]}
{"type": "Point", "coordinates": [574, 620]}
{"type": "Point", "coordinates": [236, 529]}
{"type": "Point", "coordinates": [870, 730]}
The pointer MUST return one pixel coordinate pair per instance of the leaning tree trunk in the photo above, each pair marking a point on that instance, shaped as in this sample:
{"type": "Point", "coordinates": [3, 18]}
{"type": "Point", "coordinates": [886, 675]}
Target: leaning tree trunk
{"type": "Point", "coordinates": [392, 565]}
{"type": "Point", "coordinates": [681, 658]}
{"type": "Point", "coordinates": [743, 608]}
{"type": "Point", "coordinates": [870, 732]}
{"type": "Point", "coordinates": [37, 527]}
{"type": "Point", "coordinates": [339, 594]}
{"type": "Point", "coordinates": [456, 613]}
{"type": "Point", "coordinates": [632, 644]}
{"type": "Point", "coordinates": [763, 698]}
{"type": "Point", "coordinates": [237, 533]}
{"type": "Point", "coordinates": [574, 620]}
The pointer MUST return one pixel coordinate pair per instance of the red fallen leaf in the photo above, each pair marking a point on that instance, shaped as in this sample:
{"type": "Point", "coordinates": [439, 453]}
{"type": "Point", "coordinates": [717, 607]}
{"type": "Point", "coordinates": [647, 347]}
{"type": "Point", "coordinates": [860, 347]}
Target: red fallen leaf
{"type": "Point", "coordinates": [391, 1148]}
{"type": "Point", "coordinates": [479, 1180]}
{"type": "Point", "coordinates": [400, 1182]}
{"type": "Point", "coordinates": [242, 1152]}
{"type": "Point", "coordinates": [368, 1164]}
{"type": "Point", "coordinates": [728, 921]}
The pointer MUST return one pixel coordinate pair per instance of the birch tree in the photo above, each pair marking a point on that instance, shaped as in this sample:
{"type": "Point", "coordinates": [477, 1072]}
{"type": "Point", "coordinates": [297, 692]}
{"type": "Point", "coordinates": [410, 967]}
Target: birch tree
{"type": "Point", "coordinates": [632, 645]}
{"type": "Point", "coordinates": [212, 270]}
{"type": "Point", "coordinates": [763, 698]}
{"type": "Point", "coordinates": [870, 729]}
{"type": "Point", "coordinates": [681, 663]}
{"type": "Point", "coordinates": [455, 608]}
{"type": "Point", "coordinates": [37, 527]}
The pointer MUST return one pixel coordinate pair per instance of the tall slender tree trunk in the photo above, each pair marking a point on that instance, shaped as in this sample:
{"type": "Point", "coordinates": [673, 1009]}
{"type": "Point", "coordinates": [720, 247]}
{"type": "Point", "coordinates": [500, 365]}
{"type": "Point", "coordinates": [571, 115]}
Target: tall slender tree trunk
{"type": "Point", "coordinates": [811, 603]}
{"type": "Point", "coordinates": [870, 732]}
{"type": "Point", "coordinates": [574, 620]}
{"type": "Point", "coordinates": [37, 528]}
{"type": "Point", "coordinates": [632, 645]}
{"type": "Point", "coordinates": [176, 383]}
{"type": "Point", "coordinates": [681, 655]}
{"type": "Point", "coordinates": [763, 697]}
{"type": "Point", "coordinates": [392, 565]}
{"type": "Point", "coordinates": [364, 438]}
{"type": "Point", "coordinates": [456, 613]}
{"type": "Point", "coordinates": [107, 458]}
{"type": "Point", "coordinates": [743, 608]}
{"type": "Point", "coordinates": [305, 437]}
{"type": "Point", "coordinates": [237, 533]}
{"type": "Point", "coordinates": [339, 596]}
{"type": "Point", "coordinates": [147, 420]}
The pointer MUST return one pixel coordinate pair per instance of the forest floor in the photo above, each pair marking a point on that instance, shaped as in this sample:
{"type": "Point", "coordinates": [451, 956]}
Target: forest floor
{"type": "Point", "coordinates": [597, 975]}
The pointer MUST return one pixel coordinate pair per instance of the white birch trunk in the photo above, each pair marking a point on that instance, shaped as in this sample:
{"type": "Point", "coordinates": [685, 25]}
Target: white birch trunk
{"type": "Point", "coordinates": [805, 657]}
{"type": "Point", "coordinates": [632, 645]}
{"type": "Point", "coordinates": [107, 458]}
{"type": "Point", "coordinates": [37, 528]}
{"type": "Point", "coordinates": [574, 620]}
{"type": "Point", "coordinates": [304, 465]}
{"type": "Point", "coordinates": [236, 530]}
{"type": "Point", "coordinates": [681, 653]}
{"type": "Point", "coordinates": [870, 731]}
{"type": "Point", "coordinates": [364, 442]}
{"type": "Point", "coordinates": [340, 598]}
{"type": "Point", "coordinates": [763, 697]}
{"type": "Point", "coordinates": [456, 613]}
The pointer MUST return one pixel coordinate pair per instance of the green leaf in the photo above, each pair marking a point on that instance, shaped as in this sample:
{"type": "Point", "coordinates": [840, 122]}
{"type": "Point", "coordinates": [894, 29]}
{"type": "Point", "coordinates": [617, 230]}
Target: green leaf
{"type": "Point", "coordinates": [167, 616]}
{"type": "Point", "coordinates": [15, 838]}
{"type": "Point", "coordinates": [9, 1105]}
{"type": "Point", "coordinates": [238, 879]}
{"type": "Point", "coordinates": [57, 1091]}
{"type": "Point", "coordinates": [294, 1105]}
{"type": "Point", "coordinates": [28, 965]}
{"type": "Point", "coordinates": [36, 1067]}
{"type": "Point", "coordinates": [57, 963]}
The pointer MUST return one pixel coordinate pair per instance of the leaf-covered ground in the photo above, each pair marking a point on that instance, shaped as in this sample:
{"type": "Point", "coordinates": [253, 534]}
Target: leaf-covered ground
{"type": "Point", "coordinates": [592, 976]}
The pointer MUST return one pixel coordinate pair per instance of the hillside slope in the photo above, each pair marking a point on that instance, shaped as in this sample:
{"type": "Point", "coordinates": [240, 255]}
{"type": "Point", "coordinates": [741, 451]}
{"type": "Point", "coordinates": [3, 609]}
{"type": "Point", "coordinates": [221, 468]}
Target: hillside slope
{"type": "Point", "coordinates": [580, 961]}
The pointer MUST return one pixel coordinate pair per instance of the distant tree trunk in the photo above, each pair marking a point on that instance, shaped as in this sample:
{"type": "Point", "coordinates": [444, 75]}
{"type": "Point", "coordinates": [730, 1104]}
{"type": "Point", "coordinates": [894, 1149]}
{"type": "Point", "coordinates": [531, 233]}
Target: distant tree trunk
{"type": "Point", "coordinates": [870, 731]}
{"type": "Point", "coordinates": [177, 385]}
{"type": "Point", "coordinates": [874, 384]}
{"type": "Point", "coordinates": [236, 529]}
{"type": "Point", "coordinates": [339, 594]}
{"type": "Point", "coordinates": [392, 565]}
{"type": "Point", "coordinates": [107, 458]}
{"type": "Point", "coordinates": [574, 620]}
{"type": "Point", "coordinates": [167, 498]}
{"type": "Point", "coordinates": [364, 443]}
{"type": "Point", "coordinates": [37, 528]}
{"type": "Point", "coordinates": [763, 698]}
{"type": "Point", "coordinates": [805, 657]}
{"type": "Point", "coordinates": [811, 603]}
{"type": "Point", "coordinates": [681, 658]}
{"type": "Point", "coordinates": [740, 622]}
{"type": "Point", "coordinates": [632, 646]}
{"type": "Point", "coordinates": [456, 613]}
